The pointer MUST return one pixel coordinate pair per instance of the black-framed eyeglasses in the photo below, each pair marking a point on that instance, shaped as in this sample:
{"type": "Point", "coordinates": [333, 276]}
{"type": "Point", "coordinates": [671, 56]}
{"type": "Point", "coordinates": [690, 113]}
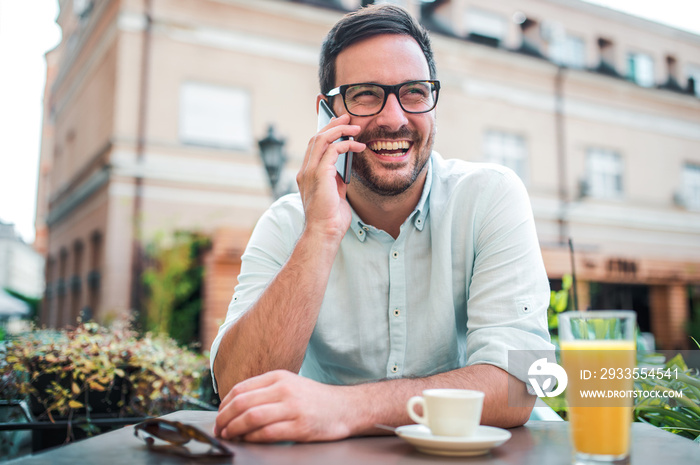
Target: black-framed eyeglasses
{"type": "Point", "coordinates": [368, 98]}
{"type": "Point", "coordinates": [177, 435]}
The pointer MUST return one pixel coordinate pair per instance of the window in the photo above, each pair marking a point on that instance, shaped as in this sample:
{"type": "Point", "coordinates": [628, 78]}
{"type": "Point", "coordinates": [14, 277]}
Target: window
{"type": "Point", "coordinates": [50, 278]}
{"type": "Point", "coordinates": [76, 280]}
{"type": "Point", "coordinates": [672, 82]}
{"type": "Point", "coordinates": [690, 183]}
{"type": "Point", "coordinates": [532, 43]}
{"type": "Point", "coordinates": [214, 116]}
{"type": "Point", "coordinates": [61, 284]}
{"type": "Point", "coordinates": [567, 50]}
{"type": "Point", "coordinates": [485, 27]}
{"type": "Point", "coordinates": [640, 69]}
{"type": "Point", "coordinates": [506, 149]}
{"type": "Point", "coordinates": [606, 50]}
{"type": "Point", "coordinates": [693, 72]}
{"type": "Point", "coordinates": [604, 173]}
{"type": "Point", "coordinates": [93, 276]}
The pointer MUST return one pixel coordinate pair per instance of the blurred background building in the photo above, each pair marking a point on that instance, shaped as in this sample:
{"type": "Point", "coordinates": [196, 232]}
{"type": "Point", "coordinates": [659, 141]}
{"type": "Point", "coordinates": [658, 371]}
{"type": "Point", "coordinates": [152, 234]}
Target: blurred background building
{"type": "Point", "coordinates": [154, 111]}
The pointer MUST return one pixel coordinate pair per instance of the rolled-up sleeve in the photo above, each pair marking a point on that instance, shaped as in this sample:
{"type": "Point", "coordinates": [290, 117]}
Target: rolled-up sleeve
{"type": "Point", "coordinates": [508, 288]}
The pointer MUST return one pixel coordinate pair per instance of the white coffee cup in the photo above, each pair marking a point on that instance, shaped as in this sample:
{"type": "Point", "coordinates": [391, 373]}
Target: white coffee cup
{"type": "Point", "coordinates": [448, 412]}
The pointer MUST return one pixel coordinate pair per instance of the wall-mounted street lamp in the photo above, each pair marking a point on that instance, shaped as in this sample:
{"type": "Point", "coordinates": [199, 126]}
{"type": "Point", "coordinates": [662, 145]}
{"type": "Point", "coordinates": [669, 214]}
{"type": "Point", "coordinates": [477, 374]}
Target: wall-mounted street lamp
{"type": "Point", "coordinates": [274, 158]}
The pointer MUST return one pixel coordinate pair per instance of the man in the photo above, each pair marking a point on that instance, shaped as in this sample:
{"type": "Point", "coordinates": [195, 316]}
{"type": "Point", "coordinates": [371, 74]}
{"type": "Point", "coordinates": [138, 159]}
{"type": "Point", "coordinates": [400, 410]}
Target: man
{"type": "Point", "coordinates": [420, 273]}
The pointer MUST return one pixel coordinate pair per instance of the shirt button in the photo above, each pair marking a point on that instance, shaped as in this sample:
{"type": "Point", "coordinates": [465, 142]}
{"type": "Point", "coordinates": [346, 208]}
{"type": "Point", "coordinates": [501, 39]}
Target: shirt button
{"type": "Point", "coordinates": [395, 254]}
{"type": "Point", "coordinates": [395, 369]}
{"type": "Point", "coordinates": [365, 228]}
{"type": "Point", "coordinates": [397, 312]}
{"type": "Point", "coordinates": [360, 232]}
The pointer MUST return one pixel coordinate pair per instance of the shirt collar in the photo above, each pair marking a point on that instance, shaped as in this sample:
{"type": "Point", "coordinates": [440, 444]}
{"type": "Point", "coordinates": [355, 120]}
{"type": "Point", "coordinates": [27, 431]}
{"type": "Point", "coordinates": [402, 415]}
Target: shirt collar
{"type": "Point", "coordinates": [417, 217]}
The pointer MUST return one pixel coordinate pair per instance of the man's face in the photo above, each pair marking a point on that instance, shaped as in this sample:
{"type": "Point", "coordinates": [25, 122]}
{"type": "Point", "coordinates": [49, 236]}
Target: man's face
{"type": "Point", "coordinates": [387, 59]}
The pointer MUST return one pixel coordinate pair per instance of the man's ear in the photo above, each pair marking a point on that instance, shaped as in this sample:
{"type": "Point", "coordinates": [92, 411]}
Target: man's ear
{"type": "Point", "coordinates": [320, 97]}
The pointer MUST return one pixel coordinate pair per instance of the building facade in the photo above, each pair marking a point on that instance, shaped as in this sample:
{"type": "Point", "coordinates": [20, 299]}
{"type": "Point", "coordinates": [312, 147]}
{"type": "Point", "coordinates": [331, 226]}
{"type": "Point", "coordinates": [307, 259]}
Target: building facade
{"type": "Point", "coordinates": [156, 107]}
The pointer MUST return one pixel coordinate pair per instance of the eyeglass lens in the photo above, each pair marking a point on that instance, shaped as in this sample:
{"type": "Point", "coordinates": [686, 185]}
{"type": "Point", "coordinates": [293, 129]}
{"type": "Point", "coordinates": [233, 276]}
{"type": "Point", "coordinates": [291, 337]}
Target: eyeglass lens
{"type": "Point", "coordinates": [368, 99]}
{"type": "Point", "coordinates": [167, 432]}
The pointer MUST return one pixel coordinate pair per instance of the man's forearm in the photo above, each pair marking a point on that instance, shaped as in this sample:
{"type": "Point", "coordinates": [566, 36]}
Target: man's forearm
{"type": "Point", "coordinates": [274, 332]}
{"type": "Point", "coordinates": [385, 402]}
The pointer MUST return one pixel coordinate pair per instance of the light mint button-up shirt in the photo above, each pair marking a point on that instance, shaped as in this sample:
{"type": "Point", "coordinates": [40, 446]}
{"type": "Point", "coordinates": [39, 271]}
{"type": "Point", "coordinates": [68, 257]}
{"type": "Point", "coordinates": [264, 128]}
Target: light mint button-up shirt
{"type": "Point", "coordinates": [462, 284]}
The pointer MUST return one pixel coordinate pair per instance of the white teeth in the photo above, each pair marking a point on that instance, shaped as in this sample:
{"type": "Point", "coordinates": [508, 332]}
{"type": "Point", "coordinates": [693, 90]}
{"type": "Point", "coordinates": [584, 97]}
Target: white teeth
{"type": "Point", "coordinates": [389, 145]}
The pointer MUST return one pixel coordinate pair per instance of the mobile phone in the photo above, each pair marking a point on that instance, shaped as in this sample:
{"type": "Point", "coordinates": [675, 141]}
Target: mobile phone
{"type": "Point", "coordinates": [344, 164]}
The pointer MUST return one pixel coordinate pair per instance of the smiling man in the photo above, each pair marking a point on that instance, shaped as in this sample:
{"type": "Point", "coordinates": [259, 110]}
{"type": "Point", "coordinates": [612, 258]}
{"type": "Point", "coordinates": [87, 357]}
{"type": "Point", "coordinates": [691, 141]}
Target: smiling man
{"type": "Point", "coordinates": [422, 272]}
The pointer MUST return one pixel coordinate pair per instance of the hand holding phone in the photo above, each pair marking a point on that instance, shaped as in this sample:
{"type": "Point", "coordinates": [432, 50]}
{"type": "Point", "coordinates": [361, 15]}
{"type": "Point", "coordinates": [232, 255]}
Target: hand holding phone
{"type": "Point", "coordinates": [344, 164]}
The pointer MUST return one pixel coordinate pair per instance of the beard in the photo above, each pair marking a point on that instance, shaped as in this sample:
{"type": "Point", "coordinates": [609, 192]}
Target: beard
{"type": "Point", "coordinates": [389, 186]}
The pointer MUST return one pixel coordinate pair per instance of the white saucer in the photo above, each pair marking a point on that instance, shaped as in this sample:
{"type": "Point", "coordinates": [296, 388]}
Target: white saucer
{"type": "Point", "coordinates": [485, 438]}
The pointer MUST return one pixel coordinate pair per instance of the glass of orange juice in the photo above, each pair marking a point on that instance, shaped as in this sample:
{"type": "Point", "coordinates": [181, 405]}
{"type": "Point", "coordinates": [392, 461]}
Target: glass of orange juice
{"type": "Point", "coordinates": [598, 354]}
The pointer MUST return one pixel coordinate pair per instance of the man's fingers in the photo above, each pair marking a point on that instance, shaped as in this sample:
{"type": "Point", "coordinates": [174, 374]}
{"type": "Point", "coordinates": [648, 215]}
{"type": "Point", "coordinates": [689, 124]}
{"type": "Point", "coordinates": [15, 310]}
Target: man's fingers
{"type": "Point", "coordinates": [310, 175]}
{"type": "Point", "coordinates": [242, 403]}
{"type": "Point", "coordinates": [332, 134]}
{"type": "Point", "coordinates": [337, 121]}
{"type": "Point", "coordinates": [290, 409]}
{"type": "Point", "coordinates": [246, 393]}
{"type": "Point", "coordinates": [256, 418]}
{"type": "Point", "coordinates": [275, 432]}
{"type": "Point", "coordinates": [319, 144]}
{"type": "Point", "coordinates": [315, 141]}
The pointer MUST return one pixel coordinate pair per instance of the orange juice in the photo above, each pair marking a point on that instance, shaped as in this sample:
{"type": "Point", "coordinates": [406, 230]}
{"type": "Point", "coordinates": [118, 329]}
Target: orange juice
{"type": "Point", "coordinates": [600, 426]}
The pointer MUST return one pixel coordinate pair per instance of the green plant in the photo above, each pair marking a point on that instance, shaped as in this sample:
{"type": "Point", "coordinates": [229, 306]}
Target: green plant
{"type": "Point", "coordinates": [63, 372]}
{"type": "Point", "coordinates": [558, 302]}
{"type": "Point", "coordinates": [680, 415]}
{"type": "Point", "coordinates": [173, 281]}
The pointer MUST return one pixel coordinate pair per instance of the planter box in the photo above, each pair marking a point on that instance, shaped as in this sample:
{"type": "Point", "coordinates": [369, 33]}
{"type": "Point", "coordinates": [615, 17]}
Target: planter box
{"type": "Point", "coordinates": [59, 433]}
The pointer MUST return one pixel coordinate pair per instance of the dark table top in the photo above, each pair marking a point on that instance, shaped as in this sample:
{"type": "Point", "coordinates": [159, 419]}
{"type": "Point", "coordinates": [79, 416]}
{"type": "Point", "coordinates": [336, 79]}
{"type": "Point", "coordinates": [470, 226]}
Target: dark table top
{"type": "Point", "coordinates": [536, 443]}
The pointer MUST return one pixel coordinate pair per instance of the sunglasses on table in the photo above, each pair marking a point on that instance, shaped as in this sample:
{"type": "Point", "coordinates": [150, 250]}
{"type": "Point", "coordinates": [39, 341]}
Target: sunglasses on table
{"type": "Point", "coordinates": [178, 434]}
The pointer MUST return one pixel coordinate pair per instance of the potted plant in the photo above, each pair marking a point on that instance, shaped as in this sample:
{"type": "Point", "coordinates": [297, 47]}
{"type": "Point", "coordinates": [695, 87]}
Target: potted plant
{"type": "Point", "coordinates": [93, 372]}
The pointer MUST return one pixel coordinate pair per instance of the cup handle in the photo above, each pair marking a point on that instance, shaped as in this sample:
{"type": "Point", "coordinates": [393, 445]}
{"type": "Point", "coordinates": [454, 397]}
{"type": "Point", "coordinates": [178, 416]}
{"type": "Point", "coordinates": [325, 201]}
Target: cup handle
{"type": "Point", "coordinates": [423, 420]}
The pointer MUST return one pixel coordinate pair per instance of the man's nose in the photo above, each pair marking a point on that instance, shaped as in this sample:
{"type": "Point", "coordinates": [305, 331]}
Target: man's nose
{"type": "Point", "coordinates": [392, 115]}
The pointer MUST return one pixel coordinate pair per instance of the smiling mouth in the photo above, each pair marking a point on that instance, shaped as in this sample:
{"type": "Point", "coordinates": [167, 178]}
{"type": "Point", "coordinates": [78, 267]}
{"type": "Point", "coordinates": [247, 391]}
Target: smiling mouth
{"type": "Point", "coordinates": [390, 148]}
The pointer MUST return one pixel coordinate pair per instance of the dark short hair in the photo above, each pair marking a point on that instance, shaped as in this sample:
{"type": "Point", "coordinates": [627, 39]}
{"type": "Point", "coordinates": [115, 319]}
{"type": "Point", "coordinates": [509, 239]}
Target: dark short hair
{"type": "Point", "coordinates": [368, 22]}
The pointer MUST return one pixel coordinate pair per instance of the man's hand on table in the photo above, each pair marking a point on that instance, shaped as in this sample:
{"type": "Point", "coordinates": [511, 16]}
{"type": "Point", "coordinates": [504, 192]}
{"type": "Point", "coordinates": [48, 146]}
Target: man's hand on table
{"type": "Point", "coordinates": [282, 406]}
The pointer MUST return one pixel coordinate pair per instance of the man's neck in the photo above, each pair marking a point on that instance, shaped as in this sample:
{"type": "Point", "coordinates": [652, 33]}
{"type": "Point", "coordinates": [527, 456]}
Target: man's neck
{"type": "Point", "coordinates": [387, 213]}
